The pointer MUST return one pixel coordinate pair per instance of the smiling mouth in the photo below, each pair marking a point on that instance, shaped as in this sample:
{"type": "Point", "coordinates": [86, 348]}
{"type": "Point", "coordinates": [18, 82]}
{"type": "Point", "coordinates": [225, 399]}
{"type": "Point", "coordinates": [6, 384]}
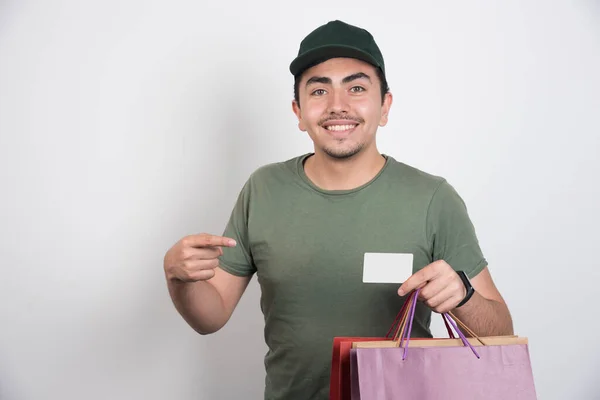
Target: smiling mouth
{"type": "Point", "coordinates": [340, 128]}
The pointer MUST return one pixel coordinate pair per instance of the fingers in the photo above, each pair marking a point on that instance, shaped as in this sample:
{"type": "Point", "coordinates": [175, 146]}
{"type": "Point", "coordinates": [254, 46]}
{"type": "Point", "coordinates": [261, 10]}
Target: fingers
{"type": "Point", "coordinates": [207, 253]}
{"type": "Point", "coordinates": [431, 290]}
{"type": "Point", "coordinates": [418, 279]}
{"type": "Point", "coordinates": [195, 257]}
{"type": "Point", "coordinates": [196, 270]}
{"type": "Point", "coordinates": [200, 275]}
{"type": "Point", "coordinates": [197, 265]}
{"type": "Point", "coordinates": [448, 305]}
{"type": "Point", "coordinates": [204, 275]}
{"type": "Point", "coordinates": [441, 287]}
{"type": "Point", "coordinates": [207, 240]}
{"type": "Point", "coordinates": [440, 299]}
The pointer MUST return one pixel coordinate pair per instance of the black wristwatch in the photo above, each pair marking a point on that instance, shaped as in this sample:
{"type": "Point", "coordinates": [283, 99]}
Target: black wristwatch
{"type": "Point", "coordinates": [468, 286]}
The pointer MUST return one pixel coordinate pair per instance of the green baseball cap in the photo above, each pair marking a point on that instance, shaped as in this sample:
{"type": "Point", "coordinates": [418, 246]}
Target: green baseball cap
{"type": "Point", "coordinates": [336, 39]}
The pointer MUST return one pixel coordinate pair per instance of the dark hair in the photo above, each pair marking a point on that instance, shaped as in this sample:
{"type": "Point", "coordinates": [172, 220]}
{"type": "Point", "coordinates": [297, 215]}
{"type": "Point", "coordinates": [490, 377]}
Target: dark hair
{"type": "Point", "coordinates": [383, 84]}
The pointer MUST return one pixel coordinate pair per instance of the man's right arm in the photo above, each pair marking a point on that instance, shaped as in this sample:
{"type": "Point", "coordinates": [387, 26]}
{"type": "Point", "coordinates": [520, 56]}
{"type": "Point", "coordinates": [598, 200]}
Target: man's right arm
{"type": "Point", "coordinates": [204, 294]}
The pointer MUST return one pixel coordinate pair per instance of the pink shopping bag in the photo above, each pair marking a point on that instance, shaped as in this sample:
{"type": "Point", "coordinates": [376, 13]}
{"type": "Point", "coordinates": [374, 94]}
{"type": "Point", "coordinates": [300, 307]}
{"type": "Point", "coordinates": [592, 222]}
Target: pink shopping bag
{"type": "Point", "coordinates": [496, 368]}
{"type": "Point", "coordinates": [339, 381]}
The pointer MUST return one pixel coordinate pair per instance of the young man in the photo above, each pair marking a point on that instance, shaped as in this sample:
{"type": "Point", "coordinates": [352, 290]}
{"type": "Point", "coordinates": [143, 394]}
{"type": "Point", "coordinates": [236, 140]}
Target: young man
{"type": "Point", "coordinates": [304, 225]}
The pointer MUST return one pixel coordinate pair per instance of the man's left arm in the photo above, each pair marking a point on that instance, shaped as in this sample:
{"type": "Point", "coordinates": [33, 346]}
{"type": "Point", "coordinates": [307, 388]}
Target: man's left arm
{"type": "Point", "coordinates": [442, 290]}
{"type": "Point", "coordinates": [455, 249]}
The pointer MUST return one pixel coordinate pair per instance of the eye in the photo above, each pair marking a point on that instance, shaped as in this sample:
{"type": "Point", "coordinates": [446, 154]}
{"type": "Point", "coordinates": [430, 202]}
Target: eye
{"type": "Point", "coordinates": [318, 92]}
{"type": "Point", "coordinates": [357, 89]}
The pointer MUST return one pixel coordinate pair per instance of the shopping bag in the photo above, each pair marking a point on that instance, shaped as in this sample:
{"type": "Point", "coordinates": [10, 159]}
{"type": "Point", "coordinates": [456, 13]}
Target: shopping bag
{"type": "Point", "coordinates": [340, 380]}
{"type": "Point", "coordinates": [352, 387]}
{"type": "Point", "coordinates": [490, 368]}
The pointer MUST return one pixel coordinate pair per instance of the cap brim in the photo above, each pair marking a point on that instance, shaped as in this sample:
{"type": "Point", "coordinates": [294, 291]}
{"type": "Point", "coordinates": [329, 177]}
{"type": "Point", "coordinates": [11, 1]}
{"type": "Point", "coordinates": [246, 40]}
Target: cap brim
{"type": "Point", "coordinates": [324, 53]}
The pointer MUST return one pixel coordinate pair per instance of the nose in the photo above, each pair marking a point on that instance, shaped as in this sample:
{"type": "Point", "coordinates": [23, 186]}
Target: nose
{"type": "Point", "coordinates": [338, 102]}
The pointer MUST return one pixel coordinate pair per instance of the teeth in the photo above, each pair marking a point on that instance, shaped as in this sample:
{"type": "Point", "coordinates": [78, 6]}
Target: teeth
{"type": "Point", "coordinates": [340, 127]}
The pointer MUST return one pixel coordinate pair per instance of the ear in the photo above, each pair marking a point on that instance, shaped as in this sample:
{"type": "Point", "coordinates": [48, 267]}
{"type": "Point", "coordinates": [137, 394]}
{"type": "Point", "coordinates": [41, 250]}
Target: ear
{"type": "Point", "coordinates": [385, 109]}
{"type": "Point", "coordinates": [298, 112]}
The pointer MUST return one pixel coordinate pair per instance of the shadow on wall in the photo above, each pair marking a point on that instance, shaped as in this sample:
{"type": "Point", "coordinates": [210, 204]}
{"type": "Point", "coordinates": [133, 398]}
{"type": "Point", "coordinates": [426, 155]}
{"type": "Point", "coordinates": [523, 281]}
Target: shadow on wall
{"type": "Point", "coordinates": [7, 388]}
{"type": "Point", "coordinates": [593, 391]}
{"type": "Point", "coordinates": [233, 357]}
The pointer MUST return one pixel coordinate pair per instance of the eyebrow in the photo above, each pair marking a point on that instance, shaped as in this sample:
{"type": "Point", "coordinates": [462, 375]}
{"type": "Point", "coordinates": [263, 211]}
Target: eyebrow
{"type": "Point", "coordinates": [327, 81]}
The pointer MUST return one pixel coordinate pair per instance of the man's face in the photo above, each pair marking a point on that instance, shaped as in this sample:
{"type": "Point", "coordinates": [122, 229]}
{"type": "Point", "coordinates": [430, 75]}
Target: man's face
{"type": "Point", "coordinates": [341, 106]}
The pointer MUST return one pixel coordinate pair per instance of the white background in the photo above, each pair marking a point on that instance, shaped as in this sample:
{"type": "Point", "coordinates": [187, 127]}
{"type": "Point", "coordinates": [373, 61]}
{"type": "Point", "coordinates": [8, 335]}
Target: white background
{"type": "Point", "coordinates": [125, 125]}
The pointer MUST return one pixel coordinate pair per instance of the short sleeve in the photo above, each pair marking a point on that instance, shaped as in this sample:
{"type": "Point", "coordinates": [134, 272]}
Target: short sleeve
{"type": "Point", "coordinates": [238, 260]}
{"type": "Point", "coordinates": [451, 233]}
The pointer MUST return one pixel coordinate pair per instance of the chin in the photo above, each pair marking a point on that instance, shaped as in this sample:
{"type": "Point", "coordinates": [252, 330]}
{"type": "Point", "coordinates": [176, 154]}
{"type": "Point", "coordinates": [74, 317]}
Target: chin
{"type": "Point", "coordinates": [342, 154]}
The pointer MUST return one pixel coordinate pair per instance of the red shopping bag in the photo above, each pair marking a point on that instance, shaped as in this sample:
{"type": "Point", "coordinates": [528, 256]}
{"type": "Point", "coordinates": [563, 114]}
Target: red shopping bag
{"type": "Point", "coordinates": [339, 381]}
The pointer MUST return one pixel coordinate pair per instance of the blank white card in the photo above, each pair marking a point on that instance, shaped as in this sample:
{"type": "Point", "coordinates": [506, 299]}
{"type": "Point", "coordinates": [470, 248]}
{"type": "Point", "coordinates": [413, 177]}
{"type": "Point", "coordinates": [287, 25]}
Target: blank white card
{"type": "Point", "coordinates": [387, 267]}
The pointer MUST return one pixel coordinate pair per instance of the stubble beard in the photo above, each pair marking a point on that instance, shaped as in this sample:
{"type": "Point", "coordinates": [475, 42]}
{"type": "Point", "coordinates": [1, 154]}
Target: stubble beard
{"type": "Point", "coordinates": [343, 154]}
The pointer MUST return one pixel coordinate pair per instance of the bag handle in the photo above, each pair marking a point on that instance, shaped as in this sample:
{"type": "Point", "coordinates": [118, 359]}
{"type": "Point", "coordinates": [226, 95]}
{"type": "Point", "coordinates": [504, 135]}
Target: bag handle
{"type": "Point", "coordinates": [464, 327]}
{"type": "Point", "coordinates": [398, 320]}
{"type": "Point", "coordinates": [405, 316]}
{"type": "Point", "coordinates": [405, 313]}
{"type": "Point", "coordinates": [450, 333]}
{"type": "Point", "coordinates": [407, 331]}
{"type": "Point", "coordinates": [401, 321]}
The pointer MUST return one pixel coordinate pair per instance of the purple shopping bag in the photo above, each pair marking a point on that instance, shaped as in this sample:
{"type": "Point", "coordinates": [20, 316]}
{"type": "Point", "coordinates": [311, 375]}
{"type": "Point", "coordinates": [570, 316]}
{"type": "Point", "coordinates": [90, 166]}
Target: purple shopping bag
{"type": "Point", "coordinates": [442, 369]}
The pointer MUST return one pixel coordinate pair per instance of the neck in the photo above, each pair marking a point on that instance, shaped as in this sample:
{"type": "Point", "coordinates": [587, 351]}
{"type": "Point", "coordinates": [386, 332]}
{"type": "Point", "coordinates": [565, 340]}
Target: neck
{"type": "Point", "coordinates": [330, 173]}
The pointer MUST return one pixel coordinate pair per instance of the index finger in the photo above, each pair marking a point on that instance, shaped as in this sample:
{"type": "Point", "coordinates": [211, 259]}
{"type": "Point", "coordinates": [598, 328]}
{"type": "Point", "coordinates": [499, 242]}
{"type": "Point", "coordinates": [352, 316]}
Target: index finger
{"type": "Point", "coordinates": [416, 280]}
{"type": "Point", "coordinates": [207, 240]}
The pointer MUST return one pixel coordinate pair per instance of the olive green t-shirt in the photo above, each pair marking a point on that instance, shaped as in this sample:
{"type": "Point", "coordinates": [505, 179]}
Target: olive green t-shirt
{"type": "Point", "coordinates": [307, 246]}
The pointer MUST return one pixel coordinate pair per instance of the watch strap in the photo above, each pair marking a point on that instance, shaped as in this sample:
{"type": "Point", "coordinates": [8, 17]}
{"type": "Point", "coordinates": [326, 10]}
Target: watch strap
{"type": "Point", "coordinates": [468, 287]}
